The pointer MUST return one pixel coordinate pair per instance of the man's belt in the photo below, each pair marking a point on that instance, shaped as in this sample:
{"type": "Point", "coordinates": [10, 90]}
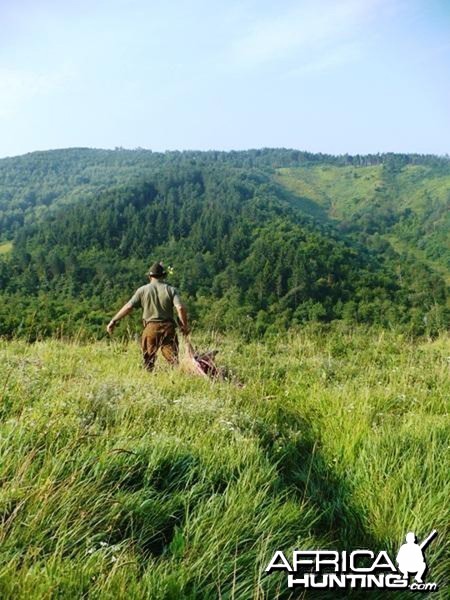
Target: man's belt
{"type": "Point", "coordinates": [145, 323]}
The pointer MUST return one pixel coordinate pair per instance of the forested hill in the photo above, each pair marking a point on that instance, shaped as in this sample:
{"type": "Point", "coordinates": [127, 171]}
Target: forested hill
{"type": "Point", "coordinates": [32, 183]}
{"type": "Point", "coordinates": [259, 240]}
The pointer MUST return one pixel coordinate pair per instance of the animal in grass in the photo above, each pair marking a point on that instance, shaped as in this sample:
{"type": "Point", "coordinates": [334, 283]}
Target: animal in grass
{"type": "Point", "coordinates": [410, 557]}
{"type": "Point", "coordinates": [203, 364]}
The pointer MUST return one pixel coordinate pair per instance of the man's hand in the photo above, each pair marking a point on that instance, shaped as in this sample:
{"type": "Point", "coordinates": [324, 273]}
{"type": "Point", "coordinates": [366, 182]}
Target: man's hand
{"type": "Point", "coordinates": [185, 330]}
{"type": "Point", "coordinates": [110, 326]}
{"type": "Point", "coordinates": [126, 308]}
{"type": "Point", "coordinates": [183, 320]}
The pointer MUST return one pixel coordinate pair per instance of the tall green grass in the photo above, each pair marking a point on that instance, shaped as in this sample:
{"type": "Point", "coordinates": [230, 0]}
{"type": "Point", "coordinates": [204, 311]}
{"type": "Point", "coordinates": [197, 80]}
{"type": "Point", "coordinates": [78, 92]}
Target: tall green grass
{"type": "Point", "coordinates": [116, 483]}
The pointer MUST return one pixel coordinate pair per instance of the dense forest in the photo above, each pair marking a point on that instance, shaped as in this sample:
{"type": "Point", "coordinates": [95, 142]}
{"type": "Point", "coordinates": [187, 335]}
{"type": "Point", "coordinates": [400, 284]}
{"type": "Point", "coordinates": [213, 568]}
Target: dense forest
{"type": "Point", "coordinates": [259, 240]}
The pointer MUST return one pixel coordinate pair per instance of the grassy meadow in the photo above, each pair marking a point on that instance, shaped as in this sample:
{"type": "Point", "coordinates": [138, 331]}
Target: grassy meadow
{"type": "Point", "coordinates": [116, 483]}
{"type": "Point", "coordinates": [5, 247]}
{"type": "Point", "coordinates": [348, 193]}
{"type": "Point", "coordinates": [344, 190]}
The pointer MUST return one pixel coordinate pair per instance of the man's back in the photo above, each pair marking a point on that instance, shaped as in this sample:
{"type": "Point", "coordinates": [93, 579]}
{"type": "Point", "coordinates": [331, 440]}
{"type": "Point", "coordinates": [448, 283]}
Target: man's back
{"type": "Point", "coordinates": [157, 300]}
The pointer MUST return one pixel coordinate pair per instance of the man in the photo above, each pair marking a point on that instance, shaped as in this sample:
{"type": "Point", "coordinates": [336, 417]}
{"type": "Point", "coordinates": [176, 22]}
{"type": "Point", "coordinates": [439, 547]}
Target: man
{"type": "Point", "coordinates": [158, 300]}
{"type": "Point", "coordinates": [410, 558]}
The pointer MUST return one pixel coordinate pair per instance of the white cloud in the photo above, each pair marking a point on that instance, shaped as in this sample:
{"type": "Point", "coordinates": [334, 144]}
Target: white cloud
{"type": "Point", "coordinates": [307, 29]}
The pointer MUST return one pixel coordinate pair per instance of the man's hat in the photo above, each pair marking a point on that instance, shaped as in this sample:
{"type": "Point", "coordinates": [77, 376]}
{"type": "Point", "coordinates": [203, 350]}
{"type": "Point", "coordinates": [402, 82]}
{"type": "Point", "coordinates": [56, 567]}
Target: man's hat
{"type": "Point", "coordinates": [156, 270]}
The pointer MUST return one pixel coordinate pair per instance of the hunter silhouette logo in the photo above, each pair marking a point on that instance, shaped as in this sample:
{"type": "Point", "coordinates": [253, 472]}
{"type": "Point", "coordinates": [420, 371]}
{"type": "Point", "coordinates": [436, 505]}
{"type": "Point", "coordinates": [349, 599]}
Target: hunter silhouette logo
{"type": "Point", "coordinates": [410, 558]}
{"type": "Point", "coordinates": [363, 568]}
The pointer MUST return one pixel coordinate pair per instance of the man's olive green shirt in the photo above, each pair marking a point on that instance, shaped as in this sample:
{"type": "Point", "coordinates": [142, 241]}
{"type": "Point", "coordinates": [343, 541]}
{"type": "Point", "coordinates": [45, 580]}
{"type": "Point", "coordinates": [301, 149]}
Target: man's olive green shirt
{"type": "Point", "coordinates": [157, 300]}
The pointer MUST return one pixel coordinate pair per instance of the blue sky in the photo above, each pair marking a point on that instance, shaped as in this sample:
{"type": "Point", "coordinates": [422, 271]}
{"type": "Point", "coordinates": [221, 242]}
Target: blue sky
{"type": "Point", "coordinates": [334, 76]}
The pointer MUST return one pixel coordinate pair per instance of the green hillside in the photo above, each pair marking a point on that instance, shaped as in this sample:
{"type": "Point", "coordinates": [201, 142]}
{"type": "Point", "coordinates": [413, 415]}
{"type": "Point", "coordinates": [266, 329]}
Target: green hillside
{"type": "Point", "coordinates": [35, 184]}
{"type": "Point", "coordinates": [408, 206]}
{"type": "Point", "coordinates": [115, 487]}
{"type": "Point", "coordinates": [260, 241]}
{"type": "Point", "coordinates": [336, 190]}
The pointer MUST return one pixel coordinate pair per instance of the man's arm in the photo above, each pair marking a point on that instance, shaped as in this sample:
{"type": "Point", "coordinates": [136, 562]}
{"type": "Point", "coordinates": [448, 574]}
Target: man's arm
{"type": "Point", "coordinates": [123, 312]}
{"type": "Point", "coordinates": [182, 316]}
